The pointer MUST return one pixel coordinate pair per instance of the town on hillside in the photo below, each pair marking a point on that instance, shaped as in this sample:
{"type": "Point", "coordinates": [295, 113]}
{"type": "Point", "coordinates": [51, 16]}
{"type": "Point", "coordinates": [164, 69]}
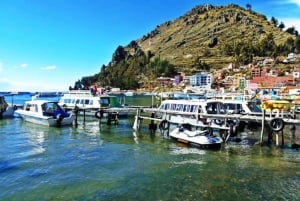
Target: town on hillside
{"type": "Point", "coordinates": [265, 74]}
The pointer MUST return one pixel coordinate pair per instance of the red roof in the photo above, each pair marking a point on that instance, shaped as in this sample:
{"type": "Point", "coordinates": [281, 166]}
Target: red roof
{"type": "Point", "coordinates": [268, 81]}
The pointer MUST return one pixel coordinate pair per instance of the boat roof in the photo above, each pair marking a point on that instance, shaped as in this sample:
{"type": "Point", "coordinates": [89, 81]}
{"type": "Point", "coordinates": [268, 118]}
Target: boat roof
{"type": "Point", "coordinates": [40, 101]}
{"type": "Point", "coordinates": [192, 101]}
{"type": "Point", "coordinates": [83, 94]}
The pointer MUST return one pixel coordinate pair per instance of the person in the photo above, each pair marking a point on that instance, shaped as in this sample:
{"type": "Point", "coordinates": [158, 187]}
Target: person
{"type": "Point", "coordinates": [94, 90]}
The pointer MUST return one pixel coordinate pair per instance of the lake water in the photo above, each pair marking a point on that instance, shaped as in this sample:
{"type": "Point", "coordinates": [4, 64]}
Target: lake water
{"type": "Point", "coordinates": [100, 162]}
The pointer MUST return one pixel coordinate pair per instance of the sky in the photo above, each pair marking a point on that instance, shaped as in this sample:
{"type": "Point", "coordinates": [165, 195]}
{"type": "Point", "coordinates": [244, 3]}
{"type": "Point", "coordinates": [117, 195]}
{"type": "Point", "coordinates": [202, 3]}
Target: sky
{"type": "Point", "coordinates": [47, 45]}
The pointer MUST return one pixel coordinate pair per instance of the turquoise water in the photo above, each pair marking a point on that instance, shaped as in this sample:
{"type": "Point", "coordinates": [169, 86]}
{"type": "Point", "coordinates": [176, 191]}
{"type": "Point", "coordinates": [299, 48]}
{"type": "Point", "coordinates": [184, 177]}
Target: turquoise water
{"type": "Point", "coordinates": [101, 162]}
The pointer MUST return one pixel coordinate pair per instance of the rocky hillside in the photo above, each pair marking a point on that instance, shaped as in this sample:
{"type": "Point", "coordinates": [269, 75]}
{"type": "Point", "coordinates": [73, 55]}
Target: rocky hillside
{"type": "Point", "coordinates": [206, 37]}
{"type": "Point", "coordinates": [203, 32]}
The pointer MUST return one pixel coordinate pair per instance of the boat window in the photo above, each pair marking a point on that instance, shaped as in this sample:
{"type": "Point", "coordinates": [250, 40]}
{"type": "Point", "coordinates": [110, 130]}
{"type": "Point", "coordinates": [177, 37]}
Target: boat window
{"type": "Point", "coordinates": [173, 107]}
{"type": "Point", "coordinates": [193, 108]}
{"type": "Point", "coordinates": [186, 108]}
{"type": "Point", "coordinates": [179, 107]}
{"type": "Point", "coordinates": [166, 106]}
{"type": "Point", "coordinates": [254, 107]}
{"type": "Point", "coordinates": [91, 102]}
{"type": "Point", "coordinates": [104, 102]}
{"type": "Point", "coordinates": [86, 102]}
{"type": "Point", "coordinates": [27, 107]}
{"type": "Point", "coordinates": [77, 101]}
{"type": "Point", "coordinates": [211, 108]}
{"type": "Point", "coordinates": [233, 107]}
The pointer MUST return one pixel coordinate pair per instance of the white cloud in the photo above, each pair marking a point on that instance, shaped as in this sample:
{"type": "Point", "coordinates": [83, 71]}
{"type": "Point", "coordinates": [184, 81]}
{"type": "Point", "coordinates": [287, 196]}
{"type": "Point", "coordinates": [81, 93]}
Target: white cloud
{"type": "Point", "coordinates": [295, 2]}
{"type": "Point", "coordinates": [291, 22]}
{"type": "Point", "coordinates": [26, 85]}
{"type": "Point", "coordinates": [53, 67]}
{"type": "Point", "coordinates": [23, 65]}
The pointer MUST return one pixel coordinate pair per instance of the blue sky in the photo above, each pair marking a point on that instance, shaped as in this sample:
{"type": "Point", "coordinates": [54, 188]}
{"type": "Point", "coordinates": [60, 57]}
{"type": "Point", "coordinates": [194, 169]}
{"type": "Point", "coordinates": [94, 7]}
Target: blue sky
{"type": "Point", "coordinates": [47, 45]}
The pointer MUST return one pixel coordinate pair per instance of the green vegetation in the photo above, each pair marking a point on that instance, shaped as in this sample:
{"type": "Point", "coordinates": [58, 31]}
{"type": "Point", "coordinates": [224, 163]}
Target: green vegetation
{"type": "Point", "coordinates": [204, 39]}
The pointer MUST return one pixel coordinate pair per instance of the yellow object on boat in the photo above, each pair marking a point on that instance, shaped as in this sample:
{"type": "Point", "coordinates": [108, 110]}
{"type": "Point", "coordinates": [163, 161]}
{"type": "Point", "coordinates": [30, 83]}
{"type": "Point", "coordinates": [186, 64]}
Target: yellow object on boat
{"type": "Point", "coordinates": [275, 104]}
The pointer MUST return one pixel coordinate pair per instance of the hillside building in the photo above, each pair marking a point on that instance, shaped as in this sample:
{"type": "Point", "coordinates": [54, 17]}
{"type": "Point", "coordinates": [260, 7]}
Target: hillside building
{"type": "Point", "coordinates": [203, 80]}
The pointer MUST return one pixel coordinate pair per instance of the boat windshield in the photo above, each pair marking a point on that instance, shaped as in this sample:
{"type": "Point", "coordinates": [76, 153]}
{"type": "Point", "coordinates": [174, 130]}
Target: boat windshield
{"type": "Point", "coordinates": [215, 108]}
{"type": "Point", "coordinates": [254, 106]}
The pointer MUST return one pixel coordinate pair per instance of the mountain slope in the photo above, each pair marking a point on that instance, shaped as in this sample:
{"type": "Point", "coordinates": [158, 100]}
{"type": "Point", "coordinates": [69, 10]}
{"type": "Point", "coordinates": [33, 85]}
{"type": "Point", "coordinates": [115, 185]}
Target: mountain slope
{"type": "Point", "coordinates": [189, 37]}
{"type": "Point", "coordinates": [206, 37]}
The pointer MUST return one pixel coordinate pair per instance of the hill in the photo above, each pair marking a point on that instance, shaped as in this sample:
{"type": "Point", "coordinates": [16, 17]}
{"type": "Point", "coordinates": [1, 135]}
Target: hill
{"type": "Point", "coordinates": [191, 36]}
{"type": "Point", "coordinates": [206, 37]}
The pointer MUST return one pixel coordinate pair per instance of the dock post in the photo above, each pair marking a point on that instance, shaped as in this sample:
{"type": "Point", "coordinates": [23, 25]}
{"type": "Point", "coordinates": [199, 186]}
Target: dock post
{"type": "Point", "coordinates": [76, 116]}
{"type": "Point", "coordinates": [277, 140]}
{"type": "Point", "coordinates": [262, 126]}
{"type": "Point", "coordinates": [282, 138]}
{"type": "Point", "coordinates": [136, 125]}
{"type": "Point", "coordinates": [152, 125]}
{"type": "Point", "coordinates": [84, 116]}
{"type": "Point", "coordinates": [293, 134]}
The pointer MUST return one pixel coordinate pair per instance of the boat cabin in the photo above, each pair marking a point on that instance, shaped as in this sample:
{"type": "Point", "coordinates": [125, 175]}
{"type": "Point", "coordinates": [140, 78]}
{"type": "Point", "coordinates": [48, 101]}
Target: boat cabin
{"type": "Point", "coordinates": [86, 100]}
{"type": "Point", "coordinates": [189, 111]}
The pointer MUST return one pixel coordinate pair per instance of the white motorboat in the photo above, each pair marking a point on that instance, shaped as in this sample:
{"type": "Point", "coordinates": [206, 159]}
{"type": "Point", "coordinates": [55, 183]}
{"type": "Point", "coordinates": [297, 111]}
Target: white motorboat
{"type": "Point", "coordinates": [45, 112]}
{"type": "Point", "coordinates": [91, 104]}
{"type": "Point", "coordinates": [6, 110]}
{"type": "Point", "coordinates": [191, 111]}
{"type": "Point", "coordinates": [202, 138]}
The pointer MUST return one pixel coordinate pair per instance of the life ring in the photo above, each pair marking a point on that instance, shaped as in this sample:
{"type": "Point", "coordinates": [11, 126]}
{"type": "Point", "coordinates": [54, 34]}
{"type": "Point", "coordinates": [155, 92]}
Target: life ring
{"type": "Point", "coordinates": [98, 114]}
{"type": "Point", "coordinates": [164, 125]}
{"type": "Point", "coordinates": [277, 124]}
{"type": "Point", "coordinates": [219, 122]}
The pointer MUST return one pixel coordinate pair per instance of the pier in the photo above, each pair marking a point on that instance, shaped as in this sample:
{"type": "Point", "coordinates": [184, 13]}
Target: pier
{"type": "Point", "coordinates": [272, 123]}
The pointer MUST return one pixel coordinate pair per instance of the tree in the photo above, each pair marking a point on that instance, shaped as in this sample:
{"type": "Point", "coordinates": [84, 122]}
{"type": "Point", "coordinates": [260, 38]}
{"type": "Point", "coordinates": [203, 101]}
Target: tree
{"type": "Point", "coordinates": [292, 30]}
{"type": "Point", "coordinates": [297, 44]}
{"type": "Point", "coordinates": [274, 21]}
{"type": "Point", "coordinates": [267, 46]}
{"type": "Point", "coordinates": [281, 26]}
{"type": "Point", "coordinates": [248, 6]}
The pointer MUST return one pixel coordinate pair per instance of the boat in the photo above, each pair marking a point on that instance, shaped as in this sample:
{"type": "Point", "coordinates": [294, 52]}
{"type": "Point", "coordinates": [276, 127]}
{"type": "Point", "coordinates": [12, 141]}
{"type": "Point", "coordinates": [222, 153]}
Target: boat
{"type": "Point", "coordinates": [45, 112]}
{"type": "Point", "coordinates": [250, 107]}
{"type": "Point", "coordinates": [201, 137]}
{"type": "Point", "coordinates": [91, 104]}
{"type": "Point", "coordinates": [197, 112]}
{"type": "Point", "coordinates": [192, 112]}
{"type": "Point", "coordinates": [129, 93]}
{"type": "Point", "coordinates": [6, 110]}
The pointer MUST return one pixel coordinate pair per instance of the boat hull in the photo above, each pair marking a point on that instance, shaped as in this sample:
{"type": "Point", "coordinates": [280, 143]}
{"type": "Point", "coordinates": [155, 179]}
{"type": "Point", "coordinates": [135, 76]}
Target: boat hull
{"type": "Point", "coordinates": [47, 121]}
{"type": "Point", "coordinates": [195, 138]}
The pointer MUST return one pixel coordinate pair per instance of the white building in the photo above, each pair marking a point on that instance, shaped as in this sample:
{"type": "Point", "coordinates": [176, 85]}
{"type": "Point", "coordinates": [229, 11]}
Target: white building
{"type": "Point", "coordinates": [203, 80]}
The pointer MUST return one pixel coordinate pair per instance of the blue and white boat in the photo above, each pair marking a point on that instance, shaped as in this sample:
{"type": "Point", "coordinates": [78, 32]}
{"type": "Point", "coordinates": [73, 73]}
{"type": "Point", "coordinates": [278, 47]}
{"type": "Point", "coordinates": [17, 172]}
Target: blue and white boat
{"type": "Point", "coordinates": [45, 112]}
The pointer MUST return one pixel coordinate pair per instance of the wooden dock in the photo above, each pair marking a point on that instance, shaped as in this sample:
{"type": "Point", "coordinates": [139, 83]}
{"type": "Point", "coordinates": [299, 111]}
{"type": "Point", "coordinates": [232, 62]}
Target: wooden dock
{"type": "Point", "coordinates": [274, 122]}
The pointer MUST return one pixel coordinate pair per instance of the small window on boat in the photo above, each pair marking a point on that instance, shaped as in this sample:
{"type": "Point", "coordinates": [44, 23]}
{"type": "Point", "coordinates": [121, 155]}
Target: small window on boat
{"type": "Point", "coordinates": [186, 108]}
{"type": "Point", "coordinates": [193, 108]}
{"type": "Point", "coordinates": [91, 102]}
{"type": "Point", "coordinates": [211, 108]}
{"type": "Point", "coordinates": [77, 101]}
{"type": "Point", "coordinates": [86, 102]}
{"type": "Point", "coordinates": [179, 107]}
{"type": "Point", "coordinates": [173, 107]}
{"type": "Point", "coordinates": [104, 102]}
